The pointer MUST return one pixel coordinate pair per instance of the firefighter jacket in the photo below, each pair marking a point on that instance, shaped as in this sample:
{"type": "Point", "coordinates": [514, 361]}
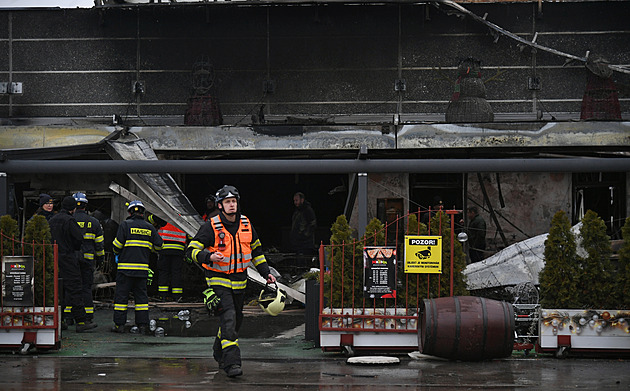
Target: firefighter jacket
{"type": "Point", "coordinates": [135, 240]}
{"type": "Point", "coordinates": [93, 246]}
{"type": "Point", "coordinates": [66, 233]}
{"type": "Point", "coordinates": [238, 243]}
{"type": "Point", "coordinates": [174, 240]}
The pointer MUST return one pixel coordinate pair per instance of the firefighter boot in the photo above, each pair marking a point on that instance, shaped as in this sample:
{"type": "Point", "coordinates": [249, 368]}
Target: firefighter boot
{"type": "Point", "coordinates": [83, 327]}
{"type": "Point", "coordinates": [234, 370]}
{"type": "Point", "coordinates": [118, 329]}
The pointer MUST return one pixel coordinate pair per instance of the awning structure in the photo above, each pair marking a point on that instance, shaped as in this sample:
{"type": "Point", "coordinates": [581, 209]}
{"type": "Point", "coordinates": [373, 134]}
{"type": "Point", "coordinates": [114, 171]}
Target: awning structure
{"type": "Point", "coordinates": [160, 188]}
{"type": "Point", "coordinates": [52, 142]}
{"type": "Point", "coordinates": [168, 201]}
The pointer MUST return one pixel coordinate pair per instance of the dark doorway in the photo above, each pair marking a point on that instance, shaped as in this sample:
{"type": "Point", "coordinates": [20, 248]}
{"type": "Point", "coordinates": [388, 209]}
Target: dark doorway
{"type": "Point", "coordinates": [425, 189]}
{"type": "Point", "coordinates": [268, 200]}
{"type": "Point", "coordinates": [603, 193]}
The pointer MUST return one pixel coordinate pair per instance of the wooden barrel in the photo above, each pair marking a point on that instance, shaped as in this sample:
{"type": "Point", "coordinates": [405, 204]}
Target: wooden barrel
{"type": "Point", "coordinates": [466, 328]}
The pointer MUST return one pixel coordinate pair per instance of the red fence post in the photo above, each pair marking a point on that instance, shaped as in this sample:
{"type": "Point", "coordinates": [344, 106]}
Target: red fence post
{"type": "Point", "coordinates": [452, 213]}
{"type": "Point", "coordinates": [321, 284]}
{"type": "Point", "coordinates": [56, 285]}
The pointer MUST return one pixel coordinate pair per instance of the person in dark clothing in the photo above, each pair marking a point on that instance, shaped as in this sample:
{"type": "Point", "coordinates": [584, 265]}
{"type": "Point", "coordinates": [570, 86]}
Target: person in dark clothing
{"type": "Point", "coordinates": [437, 206]}
{"type": "Point", "coordinates": [303, 224]}
{"type": "Point", "coordinates": [135, 240]}
{"type": "Point", "coordinates": [211, 208]}
{"type": "Point", "coordinates": [225, 246]}
{"type": "Point", "coordinates": [46, 206]}
{"type": "Point", "coordinates": [170, 260]}
{"type": "Point", "coordinates": [110, 228]}
{"type": "Point", "coordinates": [67, 234]}
{"type": "Point", "coordinates": [476, 231]}
{"type": "Point", "coordinates": [92, 252]}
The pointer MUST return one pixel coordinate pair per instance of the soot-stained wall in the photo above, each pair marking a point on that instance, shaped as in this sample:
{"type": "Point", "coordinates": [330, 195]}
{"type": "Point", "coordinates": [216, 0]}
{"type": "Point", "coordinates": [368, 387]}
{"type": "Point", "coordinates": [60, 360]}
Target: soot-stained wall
{"type": "Point", "coordinates": [331, 60]}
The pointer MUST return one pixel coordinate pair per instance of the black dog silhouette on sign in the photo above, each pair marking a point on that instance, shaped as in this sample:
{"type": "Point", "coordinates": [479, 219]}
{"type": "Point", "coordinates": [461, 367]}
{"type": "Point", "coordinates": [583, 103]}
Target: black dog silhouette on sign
{"type": "Point", "coordinates": [424, 254]}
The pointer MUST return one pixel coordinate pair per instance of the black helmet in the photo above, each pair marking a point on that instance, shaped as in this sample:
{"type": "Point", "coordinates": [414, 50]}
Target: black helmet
{"type": "Point", "coordinates": [227, 191]}
{"type": "Point", "coordinates": [212, 198]}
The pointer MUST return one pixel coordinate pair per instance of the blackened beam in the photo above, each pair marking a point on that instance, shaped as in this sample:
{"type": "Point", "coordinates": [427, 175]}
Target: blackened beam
{"type": "Point", "coordinates": [314, 166]}
{"type": "Point", "coordinates": [619, 68]}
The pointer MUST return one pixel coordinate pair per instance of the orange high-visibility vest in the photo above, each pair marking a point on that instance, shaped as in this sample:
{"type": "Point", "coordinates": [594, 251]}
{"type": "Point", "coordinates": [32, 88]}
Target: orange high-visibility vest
{"type": "Point", "coordinates": [173, 237]}
{"type": "Point", "coordinates": [237, 251]}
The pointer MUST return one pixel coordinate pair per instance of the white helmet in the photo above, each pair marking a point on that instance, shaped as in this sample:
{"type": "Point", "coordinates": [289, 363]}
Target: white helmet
{"type": "Point", "coordinates": [135, 207]}
{"type": "Point", "coordinates": [272, 302]}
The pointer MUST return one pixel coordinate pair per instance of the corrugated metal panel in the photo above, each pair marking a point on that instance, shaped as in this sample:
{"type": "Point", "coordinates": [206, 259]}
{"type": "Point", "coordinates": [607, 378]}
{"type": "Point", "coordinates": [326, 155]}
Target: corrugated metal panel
{"type": "Point", "coordinates": [160, 188]}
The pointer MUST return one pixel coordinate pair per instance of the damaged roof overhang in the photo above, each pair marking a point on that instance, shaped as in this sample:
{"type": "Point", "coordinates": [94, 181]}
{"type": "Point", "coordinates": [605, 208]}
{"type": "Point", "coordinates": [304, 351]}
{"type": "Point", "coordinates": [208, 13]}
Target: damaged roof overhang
{"type": "Point", "coordinates": [53, 142]}
{"type": "Point", "coordinates": [419, 141]}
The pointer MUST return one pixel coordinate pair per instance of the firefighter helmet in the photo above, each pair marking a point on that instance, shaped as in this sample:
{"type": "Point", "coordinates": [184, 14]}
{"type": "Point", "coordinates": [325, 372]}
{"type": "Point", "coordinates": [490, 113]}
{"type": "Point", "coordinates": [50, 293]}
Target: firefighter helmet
{"type": "Point", "coordinates": [80, 198]}
{"type": "Point", "coordinates": [227, 191]}
{"type": "Point", "coordinates": [135, 207]}
{"type": "Point", "coordinates": [272, 302]}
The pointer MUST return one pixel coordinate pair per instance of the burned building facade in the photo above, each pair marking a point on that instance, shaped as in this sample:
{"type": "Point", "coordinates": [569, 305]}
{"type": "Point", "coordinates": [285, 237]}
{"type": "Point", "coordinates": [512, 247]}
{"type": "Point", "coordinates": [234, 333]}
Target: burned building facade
{"type": "Point", "coordinates": [412, 82]}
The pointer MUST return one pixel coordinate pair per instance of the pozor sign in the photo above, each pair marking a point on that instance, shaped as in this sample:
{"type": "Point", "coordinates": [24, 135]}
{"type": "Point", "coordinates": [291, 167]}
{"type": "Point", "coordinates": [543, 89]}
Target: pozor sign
{"type": "Point", "coordinates": [423, 254]}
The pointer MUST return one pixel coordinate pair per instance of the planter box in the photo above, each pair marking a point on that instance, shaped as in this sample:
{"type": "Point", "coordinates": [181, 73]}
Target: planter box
{"type": "Point", "coordinates": [352, 329]}
{"type": "Point", "coordinates": [584, 331]}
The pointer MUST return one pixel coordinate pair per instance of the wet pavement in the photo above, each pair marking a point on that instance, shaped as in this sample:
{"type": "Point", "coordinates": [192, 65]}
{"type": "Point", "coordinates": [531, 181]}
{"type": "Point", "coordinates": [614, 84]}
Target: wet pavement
{"type": "Point", "coordinates": [276, 356]}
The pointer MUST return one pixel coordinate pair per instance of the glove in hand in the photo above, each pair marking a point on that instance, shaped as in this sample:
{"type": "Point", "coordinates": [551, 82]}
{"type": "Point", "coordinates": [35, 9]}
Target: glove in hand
{"type": "Point", "coordinates": [210, 299]}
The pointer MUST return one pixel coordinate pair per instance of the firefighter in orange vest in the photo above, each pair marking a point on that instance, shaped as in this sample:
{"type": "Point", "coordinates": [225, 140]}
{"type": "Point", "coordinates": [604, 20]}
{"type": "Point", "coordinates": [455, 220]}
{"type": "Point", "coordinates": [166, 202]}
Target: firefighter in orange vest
{"type": "Point", "coordinates": [225, 246]}
{"type": "Point", "coordinates": [170, 259]}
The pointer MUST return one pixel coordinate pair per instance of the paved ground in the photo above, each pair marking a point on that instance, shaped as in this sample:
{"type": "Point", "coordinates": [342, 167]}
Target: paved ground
{"type": "Point", "coordinates": [277, 357]}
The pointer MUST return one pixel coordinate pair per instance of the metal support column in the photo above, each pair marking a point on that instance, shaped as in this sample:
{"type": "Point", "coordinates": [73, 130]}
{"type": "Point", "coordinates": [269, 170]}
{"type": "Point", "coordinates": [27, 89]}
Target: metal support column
{"type": "Point", "coordinates": [363, 197]}
{"type": "Point", "coordinates": [4, 194]}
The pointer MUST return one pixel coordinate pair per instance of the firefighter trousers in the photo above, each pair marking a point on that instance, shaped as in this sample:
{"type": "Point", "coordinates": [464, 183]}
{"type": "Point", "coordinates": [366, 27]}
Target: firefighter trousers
{"type": "Point", "coordinates": [225, 349]}
{"type": "Point", "coordinates": [170, 275]}
{"type": "Point", "coordinates": [70, 273]}
{"type": "Point", "coordinates": [87, 280]}
{"type": "Point", "coordinates": [138, 286]}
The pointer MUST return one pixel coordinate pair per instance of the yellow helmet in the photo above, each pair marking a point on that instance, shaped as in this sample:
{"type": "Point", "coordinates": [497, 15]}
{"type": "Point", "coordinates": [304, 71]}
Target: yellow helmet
{"type": "Point", "coordinates": [272, 302]}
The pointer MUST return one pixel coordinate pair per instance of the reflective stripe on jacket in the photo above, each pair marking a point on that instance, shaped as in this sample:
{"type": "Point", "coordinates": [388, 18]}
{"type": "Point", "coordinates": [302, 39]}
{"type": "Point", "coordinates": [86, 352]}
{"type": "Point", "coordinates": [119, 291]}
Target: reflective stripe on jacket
{"type": "Point", "coordinates": [93, 243]}
{"type": "Point", "coordinates": [173, 237]}
{"type": "Point", "coordinates": [135, 240]}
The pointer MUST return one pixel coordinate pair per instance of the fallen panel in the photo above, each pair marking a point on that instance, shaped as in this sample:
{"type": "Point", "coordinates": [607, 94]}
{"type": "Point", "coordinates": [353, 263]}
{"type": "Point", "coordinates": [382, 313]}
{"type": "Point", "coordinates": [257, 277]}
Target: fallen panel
{"type": "Point", "coordinates": [160, 188]}
{"type": "Point", "coordinates": [518, 263]}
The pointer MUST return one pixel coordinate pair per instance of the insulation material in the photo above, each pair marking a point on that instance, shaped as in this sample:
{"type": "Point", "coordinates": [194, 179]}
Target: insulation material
{"type": "Point", "coordinates": [518, 263]}
{"type": "Point", "coordinates": [373, 360]}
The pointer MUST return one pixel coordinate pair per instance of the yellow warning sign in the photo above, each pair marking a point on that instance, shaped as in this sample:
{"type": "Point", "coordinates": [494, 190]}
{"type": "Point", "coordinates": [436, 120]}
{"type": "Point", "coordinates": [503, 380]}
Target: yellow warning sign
{"type": "Point", "coordinates": [423, 254]}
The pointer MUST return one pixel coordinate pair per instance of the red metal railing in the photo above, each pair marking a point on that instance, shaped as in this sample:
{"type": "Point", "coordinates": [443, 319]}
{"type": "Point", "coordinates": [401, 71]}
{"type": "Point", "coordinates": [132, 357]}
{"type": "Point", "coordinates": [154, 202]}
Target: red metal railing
{"type": "Point", "coordinates": [344, 308]}
{"type": "Point", "coordinates": [42, 313]}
